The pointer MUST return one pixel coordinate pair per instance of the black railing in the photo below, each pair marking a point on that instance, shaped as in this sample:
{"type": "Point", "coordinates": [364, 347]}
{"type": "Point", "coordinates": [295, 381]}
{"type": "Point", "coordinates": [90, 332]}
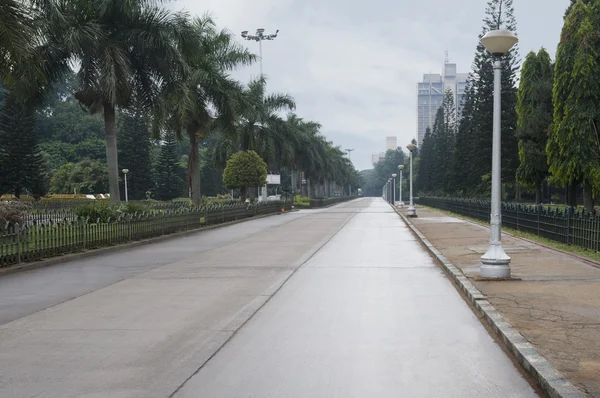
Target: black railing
{"type": "Point", "coordinates": [561, 224]}
{"type": "Point", "coordinates": [57, 232]}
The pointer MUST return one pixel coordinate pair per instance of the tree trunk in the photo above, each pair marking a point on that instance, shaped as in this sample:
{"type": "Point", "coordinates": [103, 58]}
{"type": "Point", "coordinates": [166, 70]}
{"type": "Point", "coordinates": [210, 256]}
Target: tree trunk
{"type": "Point", "coordinates": [112, 161]}
{"type": "Point", "coordinates": [294, 182]}
{"type": "Point", "coordinates": [517, 193]}
{"type": "Point", "coordinates": [193, 171]}
{"type": "Point", "coordinates": [538, 193]}
{"type": "Point", "coordinates": [588, 198]}
{"type": "Point", "coordinates": [572, 201]}
{"type": "Point", "coordinates": [243, 194]}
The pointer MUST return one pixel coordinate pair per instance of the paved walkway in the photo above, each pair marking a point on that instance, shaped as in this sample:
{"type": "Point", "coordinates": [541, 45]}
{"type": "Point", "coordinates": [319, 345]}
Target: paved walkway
{"type": "Point", "coordinates": [556, 305]}
{"type": "Point", "coordinates": [349, 305]}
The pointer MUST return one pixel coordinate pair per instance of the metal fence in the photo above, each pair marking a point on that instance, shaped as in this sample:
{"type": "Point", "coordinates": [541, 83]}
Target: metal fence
{"type": "Point", "coordinates": [39, 239]}
{"type": "Point", "coordinates": [568, 226]}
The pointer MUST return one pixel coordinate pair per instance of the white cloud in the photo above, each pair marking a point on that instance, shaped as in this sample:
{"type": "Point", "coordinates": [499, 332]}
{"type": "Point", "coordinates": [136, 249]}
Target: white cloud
{"type": "Point", "coordinates": [353, 65]}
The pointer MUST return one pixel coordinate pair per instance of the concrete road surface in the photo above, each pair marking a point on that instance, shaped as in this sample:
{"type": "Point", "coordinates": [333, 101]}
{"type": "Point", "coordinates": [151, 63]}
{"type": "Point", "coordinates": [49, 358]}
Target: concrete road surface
{"type": "Point", "coordinates": [349, 305]}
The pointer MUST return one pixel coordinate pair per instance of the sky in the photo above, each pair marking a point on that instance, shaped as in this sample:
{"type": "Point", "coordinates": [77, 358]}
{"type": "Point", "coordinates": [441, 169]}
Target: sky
{"type": "Point", "coordinates": [353, 65]}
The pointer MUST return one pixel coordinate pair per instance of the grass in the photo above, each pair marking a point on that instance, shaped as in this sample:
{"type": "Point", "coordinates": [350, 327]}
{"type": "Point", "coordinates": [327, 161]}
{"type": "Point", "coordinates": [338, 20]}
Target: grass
{"type": "Point", "coordinates": [580, 251]}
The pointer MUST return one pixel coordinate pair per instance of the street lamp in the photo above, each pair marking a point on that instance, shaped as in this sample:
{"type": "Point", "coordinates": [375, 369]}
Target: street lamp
{"type": "Point", "coordinates": [125, 171]}
{"type": "Point", "coordinates": [411, 212]}
{"type": "Point", "coordinates": [495, 263]}
{"type": "Point", "coordinates": [401, 168]}
{"type": "Point", "coordinates": [259, 37]}
{"type": "Point", "coordinates": [394, 189]}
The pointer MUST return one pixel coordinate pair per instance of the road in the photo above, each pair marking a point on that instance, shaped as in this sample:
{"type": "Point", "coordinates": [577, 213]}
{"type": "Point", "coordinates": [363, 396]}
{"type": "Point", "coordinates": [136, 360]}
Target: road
{"type": "Point", "coordinates": [335, 303]}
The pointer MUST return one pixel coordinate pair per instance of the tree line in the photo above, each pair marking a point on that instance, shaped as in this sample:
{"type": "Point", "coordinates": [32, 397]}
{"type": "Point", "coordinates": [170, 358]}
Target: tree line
{"type": "Point", "coordinates": [549, 121]}
{"type": "Point", "coordinates": [80, 76]}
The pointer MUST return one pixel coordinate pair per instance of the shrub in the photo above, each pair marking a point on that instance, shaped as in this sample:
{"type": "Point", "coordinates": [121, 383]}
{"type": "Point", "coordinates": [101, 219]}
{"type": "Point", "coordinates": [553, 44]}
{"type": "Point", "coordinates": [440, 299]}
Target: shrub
{"type": "Point", "coordinates": [98, 211]}
{"type": "Point", "coordinates": [133, 208]}
{"type": "Point", "coordinates": [12, 211]}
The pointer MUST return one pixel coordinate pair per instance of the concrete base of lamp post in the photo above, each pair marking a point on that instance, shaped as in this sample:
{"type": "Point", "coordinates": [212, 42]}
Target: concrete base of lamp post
{"type": "Point", "coordinates": [411, 212]}
{"type": "Point", "coordinates": [399, 204]}
{"type": "Point", "coordinates": [495, 263]}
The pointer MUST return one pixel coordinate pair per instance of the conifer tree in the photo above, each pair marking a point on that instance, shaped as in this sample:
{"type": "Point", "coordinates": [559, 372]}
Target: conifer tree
{"type": "Point", "coordinates": [22, 166]}
{"type": "Point", "coordinates": [134, 153]}
{"type": "Point", "coordinates": [169, 175]}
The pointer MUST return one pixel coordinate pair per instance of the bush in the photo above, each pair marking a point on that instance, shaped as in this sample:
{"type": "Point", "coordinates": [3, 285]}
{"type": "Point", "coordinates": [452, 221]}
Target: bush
{"type": "Point", "coordinates": [97, 211]}
{"type": "Point", "coordinates": [133, 208]}
{"type": "Point", "coordinates": [301, 202]}
{"type": "Point", "coordinates": [12, 211]}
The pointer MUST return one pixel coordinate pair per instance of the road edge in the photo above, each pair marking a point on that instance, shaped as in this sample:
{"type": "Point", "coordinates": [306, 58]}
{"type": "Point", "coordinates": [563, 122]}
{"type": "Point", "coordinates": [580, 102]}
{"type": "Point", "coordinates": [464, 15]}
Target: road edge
{"type": "Point", "coordinates": [116, 248]}
{"type": "Point", "coordinates": [548, 378]}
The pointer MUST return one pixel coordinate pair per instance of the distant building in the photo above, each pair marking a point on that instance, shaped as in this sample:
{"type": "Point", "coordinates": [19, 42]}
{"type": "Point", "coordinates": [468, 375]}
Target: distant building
{"type": "Point", "coordinates": [430, 95]}
{"type": "Point", "coordinates": [391, 143]}
{"type": "Point", "coordinates": [375, 158]}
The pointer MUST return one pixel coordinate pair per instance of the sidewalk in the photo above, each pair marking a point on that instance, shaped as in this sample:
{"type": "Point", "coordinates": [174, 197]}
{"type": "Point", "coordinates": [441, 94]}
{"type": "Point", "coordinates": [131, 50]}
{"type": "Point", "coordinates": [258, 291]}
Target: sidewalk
{"type": "Point", "coordinates": [555, 305]}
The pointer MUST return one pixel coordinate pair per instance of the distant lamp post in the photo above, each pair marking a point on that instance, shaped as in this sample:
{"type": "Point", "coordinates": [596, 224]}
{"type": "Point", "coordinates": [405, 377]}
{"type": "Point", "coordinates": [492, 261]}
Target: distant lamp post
{"type": "Point", "coordinates": [495, 263]}
{"type": "Point", "coordinates": [412, 211]}
{"type": "Point", "coordinates": [394, 189]}
{"type": "Point", "coordinates": [125, 171]}
{"type": "Point", "coordinates": [401, 168]}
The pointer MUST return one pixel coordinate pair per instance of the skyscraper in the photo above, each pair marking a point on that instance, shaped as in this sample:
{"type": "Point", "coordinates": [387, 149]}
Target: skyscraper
{"type": "Point", "coordinates": [391, 143]}
{"type": "Point", "coordinates": [430, 95]}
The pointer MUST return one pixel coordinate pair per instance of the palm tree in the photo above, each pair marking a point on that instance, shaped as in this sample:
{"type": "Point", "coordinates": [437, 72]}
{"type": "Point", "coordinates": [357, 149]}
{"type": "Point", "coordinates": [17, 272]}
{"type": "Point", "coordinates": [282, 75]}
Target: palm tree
{"type": "Point", "coordinates": [125, 54]}
{"type": "Point", "coordinates": [210, 97]}
{"type": "Point", "coordinates": [16, 34]}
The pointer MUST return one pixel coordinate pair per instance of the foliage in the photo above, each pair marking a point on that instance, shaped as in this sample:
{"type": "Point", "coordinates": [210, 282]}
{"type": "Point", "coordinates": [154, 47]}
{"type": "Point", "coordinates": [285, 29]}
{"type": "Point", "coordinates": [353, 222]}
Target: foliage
{"type": "Point", "coordinates": [86, 177]}
{"type": "Point", "coordinates": [375, 180]}
{"type": "Point", "coordinates": [12, 211]}
{"type": "Point", "coordinates": [243, 170]}
{"type": "Point", "coordinates": [302, 202]}
{"type": "Point", "coordinates": [473, 155]}
{"type": "Point", "coordinates": [169, 175]}
{"type": "Point", "coordinates": [126, 55]}
{"type": "Point", "coordinates": [22, 165]}
{"type": "Point", "coordinates": [534, 111]}
{"type": "Point", "coordinates": [574, 145]}
{"type": "Point", "coordinates": [105, 212]}
{"type": "Point", "coordinates": [134, 153]}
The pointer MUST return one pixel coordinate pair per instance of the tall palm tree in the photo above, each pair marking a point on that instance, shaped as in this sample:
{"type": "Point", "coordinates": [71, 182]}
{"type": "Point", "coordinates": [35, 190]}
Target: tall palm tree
{"type": "Point", "coordinates": [125, 54]}
{"type": "Point", "coordinates": [16, 36]}
{"type": "Point", "coordinates": [259, 127]}
{"type": "Point", "coordinates": [210, 98]}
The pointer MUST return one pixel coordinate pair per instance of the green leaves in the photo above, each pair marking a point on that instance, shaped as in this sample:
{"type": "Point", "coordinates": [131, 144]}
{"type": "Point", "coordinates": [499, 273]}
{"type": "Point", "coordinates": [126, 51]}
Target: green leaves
{"type": "Point", "coordinates": [245, 169]}
{"type": "Point", "coordinates": [574, 145]}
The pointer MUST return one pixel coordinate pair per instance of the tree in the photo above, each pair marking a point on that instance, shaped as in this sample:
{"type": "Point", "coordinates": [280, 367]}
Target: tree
{"type": "Point", "coordinates": [169, 175]}
{"type": "Point", "coordinates": [209, 100]}
{"type": "Point", "coordinates": [16, 38]}
{"type": "Point", "coordinates": [134, 152]}
{"type": "Point", "coordinates": [574, 145]}
{"type": "Point", "coordinates": [425, 183]}
{"type": "Point", "coordinates": [534, 111]}
{"type": "Point", "coordinates": [245, 169]}
{"type": "Point", "coordinates": [445, 142]}
{"type": "Point", "coordinates": [126, 56]}
{"type": "Point", "coordinates": [22, 165]}
{"type": "Point", "coordinates": [473, 157]}
{"type": "Point", "coordinates": [85, 177]}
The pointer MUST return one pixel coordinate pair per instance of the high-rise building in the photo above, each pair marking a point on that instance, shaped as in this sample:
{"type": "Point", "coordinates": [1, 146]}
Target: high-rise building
{"type": "Point", "coordinates": [375, 159]}
{"type": "Point", "coordinates": [430, 95]}
{"type": "Point", "coordinates": [391, 143]}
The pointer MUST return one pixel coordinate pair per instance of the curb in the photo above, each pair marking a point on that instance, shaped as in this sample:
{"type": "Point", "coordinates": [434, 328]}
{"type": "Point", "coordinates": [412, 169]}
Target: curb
{"type": "Point", "coordinates": [112, 249]}
{"type": "Point", "coordinates": [548, 378]}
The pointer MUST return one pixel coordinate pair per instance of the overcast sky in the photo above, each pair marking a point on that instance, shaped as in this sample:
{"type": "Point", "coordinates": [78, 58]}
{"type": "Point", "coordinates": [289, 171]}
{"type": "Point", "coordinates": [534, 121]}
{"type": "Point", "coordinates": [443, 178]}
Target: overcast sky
{"type": "Point", "coordinates": [353, 65]}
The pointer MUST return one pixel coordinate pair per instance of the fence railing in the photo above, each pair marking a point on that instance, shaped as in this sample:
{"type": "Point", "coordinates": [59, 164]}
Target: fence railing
{"type": "Point", "coordinates": [568, 226]}
{"type": "Point", "coordinates": [39, 239]}
{"type": "Point", "coordinates": [324, 202]}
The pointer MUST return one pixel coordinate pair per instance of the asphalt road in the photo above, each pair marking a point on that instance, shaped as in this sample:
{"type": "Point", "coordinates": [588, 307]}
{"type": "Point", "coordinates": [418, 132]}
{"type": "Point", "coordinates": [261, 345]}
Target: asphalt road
{"type": "Point", "coordinates": [337, 303]}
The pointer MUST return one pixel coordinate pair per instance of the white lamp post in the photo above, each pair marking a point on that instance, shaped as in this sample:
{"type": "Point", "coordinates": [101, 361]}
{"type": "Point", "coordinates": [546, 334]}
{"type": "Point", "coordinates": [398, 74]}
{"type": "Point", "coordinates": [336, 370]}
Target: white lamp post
{"type": "Point", "coordinates": [389, 183]}
{"type": "Point", "coordinates": [125, 171]}
{"type": "Point", "coordinates": [394, 189]}
{"type": "Point", "coordinates": [412, 212]}
{"type": "Point", "coordinates": [495, 263]}
{"type": "Point", "coordinates": [401, 168]}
